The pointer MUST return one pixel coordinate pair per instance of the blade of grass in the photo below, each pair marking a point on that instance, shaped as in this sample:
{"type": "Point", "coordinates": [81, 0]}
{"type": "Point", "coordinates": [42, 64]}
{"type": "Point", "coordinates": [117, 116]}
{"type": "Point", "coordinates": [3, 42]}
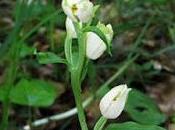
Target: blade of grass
{"type": "Point", "coordinates": [139, 39]}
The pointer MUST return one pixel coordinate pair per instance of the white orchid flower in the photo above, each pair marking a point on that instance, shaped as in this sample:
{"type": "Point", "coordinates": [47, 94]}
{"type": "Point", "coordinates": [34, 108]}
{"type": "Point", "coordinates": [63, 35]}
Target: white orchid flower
{"type": "Point", "coordinates": [113, 103]}
{"type": "Point", "coordinates": [78, 10]}
{"type": "Point", "coordinates": [95, 46]}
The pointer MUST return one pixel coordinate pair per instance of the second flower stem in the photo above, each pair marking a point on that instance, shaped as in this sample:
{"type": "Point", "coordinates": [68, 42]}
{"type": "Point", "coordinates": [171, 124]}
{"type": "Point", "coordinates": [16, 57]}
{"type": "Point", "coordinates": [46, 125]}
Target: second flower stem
{"type": "Point", "coordinates": [100, 123]}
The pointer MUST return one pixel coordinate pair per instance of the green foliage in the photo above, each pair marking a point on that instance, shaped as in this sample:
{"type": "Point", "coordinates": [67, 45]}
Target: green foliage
{"type": "Point", "coordinates": [26, 20]}
{"type": "Point", "coordinates": [49, 58]}
{"type": "Point", "coordinates": [132, 126]}
{"type": "Point", "coordinates": [36, 93]}
{"type": "Point", "coordinates": [3, 92]}
{"type": "Point", "coordinates": [68, 49]}
{"type": "Point", "coordinates": [26, 50]}
{"type": "Point", "coordinates": [100, 124]}
{"type": "Point", "coordinates": [172, 33]}
{"type": "Point", "coordinates": [143, 109]}
{"type": "Point", "coordinates": [157, 1]}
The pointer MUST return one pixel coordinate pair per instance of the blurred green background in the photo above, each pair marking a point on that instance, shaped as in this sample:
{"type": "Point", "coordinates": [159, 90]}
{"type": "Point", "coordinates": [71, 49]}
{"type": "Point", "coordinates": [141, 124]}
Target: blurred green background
{"type": "Point", "coordinates": [145, 28]}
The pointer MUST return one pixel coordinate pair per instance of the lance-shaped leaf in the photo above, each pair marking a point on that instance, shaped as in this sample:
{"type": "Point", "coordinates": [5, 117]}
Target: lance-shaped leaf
{"type": "Point", "coordinates": [49, 58]}
{"type": "Point", "coordinates": [143, 109]}
{"type": "Point", "coordinates": [132, 126]}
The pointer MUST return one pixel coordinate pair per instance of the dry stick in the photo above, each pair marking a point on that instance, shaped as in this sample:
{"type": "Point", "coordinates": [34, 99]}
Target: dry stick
{"type": "Point", "coordinates": [73, 111]}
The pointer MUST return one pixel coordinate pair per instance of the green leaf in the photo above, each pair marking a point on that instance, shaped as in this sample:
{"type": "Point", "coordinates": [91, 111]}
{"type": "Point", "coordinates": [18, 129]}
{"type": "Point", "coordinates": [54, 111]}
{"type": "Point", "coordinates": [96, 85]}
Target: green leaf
{"type": "Point", "coordinates": [36, 93]}
{"type": "Point", "coordinates": [74, 59]}
{"type": "Point", "coordinates": [97, 31]}
{"type": "Point", "coordinates": [157, 1]}
{"type": "Point", "coordinates": [26, 50]}
{"type": "Point", "coordinates": [95, 9]}
{"type": "Point", "coordinates": [68, 49]}
{"type": "Point", "coordinates": [49, 58]}
{"type": "Point", "coordinates": [143, 109]}
{"type": "Point", "coordinates": [3, 92]}
{"type": "Point", "coordinates": [100, 123]}
{"type": "Point", "coordinates": [172, 33]}
{"type": "Point", "coordinates": [132, 126]}
{"type": "Point", "coordinates": [173, 118]}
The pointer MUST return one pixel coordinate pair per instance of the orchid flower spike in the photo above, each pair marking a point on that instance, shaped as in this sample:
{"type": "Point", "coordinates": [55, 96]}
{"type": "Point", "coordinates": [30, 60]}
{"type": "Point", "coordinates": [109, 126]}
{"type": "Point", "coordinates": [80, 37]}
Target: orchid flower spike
{"type": "Point", "coordinates": [95, 45]}
{"type": "Point", "coordinates": [113, 103]}
{"type": "Point", "coordinates": [78, 10]}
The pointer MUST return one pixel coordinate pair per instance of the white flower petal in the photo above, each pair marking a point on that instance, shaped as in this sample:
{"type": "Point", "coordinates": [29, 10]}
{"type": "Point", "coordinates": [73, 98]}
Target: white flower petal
{"type": "Point", "coordinates": [72, 2]}
{"type": "Point", "coordinates": [70, 28]}
{"type": "Point", "coordinates": [113, 103]}
{"type": "Point", "coordinates": [78, 10]}
{"type": "Point", "coordinates": [85, 11]}
{"type": "Point", "coordinates": [95, 47]}
{"type": "Point", "coordinates": [67, 8]}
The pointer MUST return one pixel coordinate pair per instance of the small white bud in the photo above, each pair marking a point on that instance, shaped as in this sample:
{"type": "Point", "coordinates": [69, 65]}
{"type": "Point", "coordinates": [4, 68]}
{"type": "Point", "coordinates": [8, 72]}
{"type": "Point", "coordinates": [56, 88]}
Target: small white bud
{"type": "Point", "coordinates": [110, 32]}
{"type": "Point", "coordinates": [95, 46]}
{"type": "Point", "coordinates": [107, 30]}
{"type": "Point", "coordinates": [113, 103]}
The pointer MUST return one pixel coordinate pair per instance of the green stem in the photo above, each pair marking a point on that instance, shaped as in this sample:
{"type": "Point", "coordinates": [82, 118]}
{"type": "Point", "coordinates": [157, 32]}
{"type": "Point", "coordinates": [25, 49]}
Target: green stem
{"type": "Point", "coordinates": [87, 102]}
{"type": "Point", "coordinates": [11, 74]}
{"type": "Point", "coordinates": [100, 123]}
{"type": "Point", "coordinates": [5, 114]}
{"type": "Point", "coordinates": [76, 87]}
{"type": "Point", "coordinates": [76, 68]}
{"type": "Point", "coordinates": [10, 77]}
{"type": "Point", "coordinates": [51, 31]}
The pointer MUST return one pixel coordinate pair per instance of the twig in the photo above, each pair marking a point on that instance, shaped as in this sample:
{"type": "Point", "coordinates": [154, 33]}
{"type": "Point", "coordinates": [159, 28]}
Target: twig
{"type": "Point", "coordinates": [59, 116]}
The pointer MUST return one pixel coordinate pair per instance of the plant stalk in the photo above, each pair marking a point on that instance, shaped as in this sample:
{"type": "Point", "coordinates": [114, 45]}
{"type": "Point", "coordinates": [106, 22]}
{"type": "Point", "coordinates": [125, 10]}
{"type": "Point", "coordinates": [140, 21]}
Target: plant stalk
{"type": "Point", "coordinates": [88, 101]}
{"type": "Point", "coordinates": [76, 87]}
{"type": "Point", "coordinates": [10, 78]}
{"type": "Point", "coordinates": [100, 123]}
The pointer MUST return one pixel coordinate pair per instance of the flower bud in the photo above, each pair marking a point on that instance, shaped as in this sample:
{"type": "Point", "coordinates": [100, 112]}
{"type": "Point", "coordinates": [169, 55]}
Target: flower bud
{"type": "Point", "coordinates": [113, 103]}
{"type": "Point", "coordinates": [107, 30]}
{"type": "Point", "coordinates": [78, 10]}
{"type": "Point", "coordinates": [95, 46]}
{"type": "Point", "coordinates": [70, 28]}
